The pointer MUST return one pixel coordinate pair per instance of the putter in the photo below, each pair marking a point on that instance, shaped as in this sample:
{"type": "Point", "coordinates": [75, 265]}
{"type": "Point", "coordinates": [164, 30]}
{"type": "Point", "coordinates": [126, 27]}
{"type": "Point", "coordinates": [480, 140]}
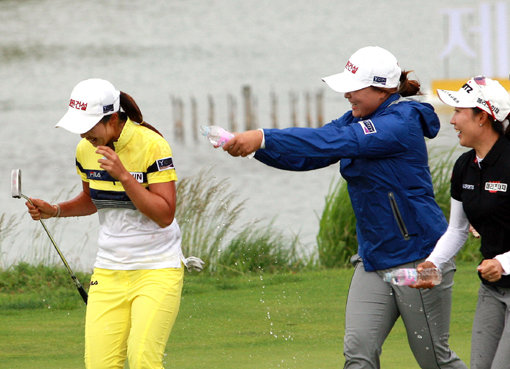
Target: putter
{"type": "Point", "coordinates": [16, 193]}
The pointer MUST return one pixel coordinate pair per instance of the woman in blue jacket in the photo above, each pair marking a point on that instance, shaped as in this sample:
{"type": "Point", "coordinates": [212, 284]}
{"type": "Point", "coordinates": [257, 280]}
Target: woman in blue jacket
{"type": "Point", "coordinates": [383, 157]}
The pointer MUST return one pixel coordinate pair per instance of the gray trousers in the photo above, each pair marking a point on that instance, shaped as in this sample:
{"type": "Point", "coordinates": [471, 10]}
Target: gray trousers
{"type": "Point", "coordinates": [373, 307]}
{"type": "Point", "coordinates": [490, 341]}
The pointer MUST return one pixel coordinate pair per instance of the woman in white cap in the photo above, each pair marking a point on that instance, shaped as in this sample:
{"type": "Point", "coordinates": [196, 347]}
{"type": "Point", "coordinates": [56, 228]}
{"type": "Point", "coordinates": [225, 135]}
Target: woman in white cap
{"type": "Point", "coordinates": [128, 178]}
{"type": "Point", "coordinates": [381, 148]}
{"type": "Point", "coordinates": [480, 195]}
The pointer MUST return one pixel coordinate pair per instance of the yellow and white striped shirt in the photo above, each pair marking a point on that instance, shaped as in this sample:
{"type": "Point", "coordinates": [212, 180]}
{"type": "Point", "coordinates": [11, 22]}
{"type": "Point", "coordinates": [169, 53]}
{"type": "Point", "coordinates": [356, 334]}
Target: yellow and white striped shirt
{"type": "Point", "coordinates": [129, 240]}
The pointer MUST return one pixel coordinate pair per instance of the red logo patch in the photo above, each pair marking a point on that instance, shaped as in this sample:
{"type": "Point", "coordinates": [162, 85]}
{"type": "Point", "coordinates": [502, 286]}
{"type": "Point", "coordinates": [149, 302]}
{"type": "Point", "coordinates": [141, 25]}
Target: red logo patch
{"type": "Point", "coordinates": [495, 186]}
{"type": "Point", "coordinates": [77, 104]}
{"type": "Point", "coordinates": [351, 67]}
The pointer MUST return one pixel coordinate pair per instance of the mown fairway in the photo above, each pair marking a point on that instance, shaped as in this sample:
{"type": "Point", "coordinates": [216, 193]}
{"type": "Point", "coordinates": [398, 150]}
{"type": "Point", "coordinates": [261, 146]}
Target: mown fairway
{"type": "Point", "coordinates": [263, 322]}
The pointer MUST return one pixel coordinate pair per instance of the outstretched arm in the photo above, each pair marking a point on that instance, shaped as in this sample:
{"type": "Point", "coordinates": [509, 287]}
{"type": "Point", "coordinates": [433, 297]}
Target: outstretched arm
{"type": "Point", "coordinates": [81, 205]}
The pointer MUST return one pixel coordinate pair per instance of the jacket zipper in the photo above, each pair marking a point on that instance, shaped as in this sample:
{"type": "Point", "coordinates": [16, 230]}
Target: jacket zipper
{"type": "Point", "coordinates": [398, 216]}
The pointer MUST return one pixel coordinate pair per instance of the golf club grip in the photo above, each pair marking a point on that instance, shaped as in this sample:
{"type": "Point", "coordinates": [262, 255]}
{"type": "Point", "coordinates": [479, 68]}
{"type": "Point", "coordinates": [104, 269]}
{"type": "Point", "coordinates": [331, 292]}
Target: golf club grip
{"type": "Point", "coordinates": [83, 294]}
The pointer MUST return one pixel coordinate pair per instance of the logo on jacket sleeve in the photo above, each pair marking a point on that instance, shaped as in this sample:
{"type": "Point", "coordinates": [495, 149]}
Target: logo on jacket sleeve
{"type": "Point", "coordinates": [367, 126]}
{"type": "Point", "coordinates": [494, 187]}
{"type": "Point", "coordinates": [165, 163]}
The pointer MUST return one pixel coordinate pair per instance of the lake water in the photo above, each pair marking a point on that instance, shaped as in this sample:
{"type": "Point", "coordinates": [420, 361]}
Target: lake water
{"type": "Point", "coordinates": [161, 49]}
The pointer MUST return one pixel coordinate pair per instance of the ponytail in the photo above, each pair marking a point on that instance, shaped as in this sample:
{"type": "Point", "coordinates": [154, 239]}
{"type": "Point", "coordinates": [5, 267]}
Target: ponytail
{"type": "Point", "coordinates": [130, 109]}
{"type": "Point", "coordinates": [408, 87]}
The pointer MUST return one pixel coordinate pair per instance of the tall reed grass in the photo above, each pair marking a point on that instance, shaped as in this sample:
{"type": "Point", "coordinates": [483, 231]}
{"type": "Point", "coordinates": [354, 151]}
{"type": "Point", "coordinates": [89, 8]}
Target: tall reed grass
{"type": "Point", "coordinates": [209, 215]}
{"type": "Point", "coordinates": [336, 240]}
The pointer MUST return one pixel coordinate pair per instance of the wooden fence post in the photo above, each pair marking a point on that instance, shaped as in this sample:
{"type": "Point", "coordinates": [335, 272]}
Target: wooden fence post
{"type": "Point", "coordinates": [194, 118]}
{"type": "Point", "coordinates": [248, 108]}
{"type": "Point", "coordinates": [177, 110]}
{"type": "Point", "coordinates": [293, 108]}
{"type": "Point", "coordinates": [232, 109]}
{"type": "Point", "coordinates": [274, 110]}
{"type": "Point", "coordinates": [211, 110]}
{"type": "Point", "coordinates": [308, 110]}
{"type": "Point", "coordinates": [319, 103]}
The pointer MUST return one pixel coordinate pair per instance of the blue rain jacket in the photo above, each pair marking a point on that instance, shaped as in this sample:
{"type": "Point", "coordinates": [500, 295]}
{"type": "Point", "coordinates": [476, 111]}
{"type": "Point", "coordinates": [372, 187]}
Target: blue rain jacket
{"type": "Point", "coordinates": [384, 160]}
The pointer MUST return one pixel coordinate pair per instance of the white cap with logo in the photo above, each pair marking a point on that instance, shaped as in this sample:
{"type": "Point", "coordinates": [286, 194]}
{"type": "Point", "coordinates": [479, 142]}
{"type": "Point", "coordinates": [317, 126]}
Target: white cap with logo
{"type": "Point", "coordinates": [480, 92]}
{"type": "Point", "coordinates": [369, 66]}
{"type": "Point", "coordinates": [90, 101]}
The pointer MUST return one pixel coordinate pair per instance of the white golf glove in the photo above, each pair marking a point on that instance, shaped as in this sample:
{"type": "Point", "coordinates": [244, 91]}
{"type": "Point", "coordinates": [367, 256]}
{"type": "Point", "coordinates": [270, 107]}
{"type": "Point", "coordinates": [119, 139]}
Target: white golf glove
{"type": "Point", "coordinates": [194, 263]}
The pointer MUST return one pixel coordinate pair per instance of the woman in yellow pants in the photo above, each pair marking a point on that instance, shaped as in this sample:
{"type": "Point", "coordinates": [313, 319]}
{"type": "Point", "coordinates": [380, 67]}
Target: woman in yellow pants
{"type": "Point", "coordinates": [128, 178]}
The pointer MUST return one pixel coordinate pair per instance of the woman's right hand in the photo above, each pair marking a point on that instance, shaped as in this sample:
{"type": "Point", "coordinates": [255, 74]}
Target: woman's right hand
{"type": "Point", "coordinates": [419, 268]}
{"type": "Point", "coordinates": [40, 209]}
{"type": "Point", "coordinates": [243, 144]}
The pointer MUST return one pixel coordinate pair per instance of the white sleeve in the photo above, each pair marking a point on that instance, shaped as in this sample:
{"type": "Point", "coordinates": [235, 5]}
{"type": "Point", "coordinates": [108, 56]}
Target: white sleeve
{"type": "Point", "coordinates": [504, 260]}
{"type": "Point", "coordinates": [263, 143]}
{"type": "Point", "coordinates": [454, 237]}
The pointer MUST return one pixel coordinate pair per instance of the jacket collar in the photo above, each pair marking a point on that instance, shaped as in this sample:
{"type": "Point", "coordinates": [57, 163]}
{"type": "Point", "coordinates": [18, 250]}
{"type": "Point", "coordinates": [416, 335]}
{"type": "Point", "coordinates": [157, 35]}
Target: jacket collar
{"type": "Point", "coordinates": [125, 136]}
{"type": "Point", "coordinates": [391, 99]}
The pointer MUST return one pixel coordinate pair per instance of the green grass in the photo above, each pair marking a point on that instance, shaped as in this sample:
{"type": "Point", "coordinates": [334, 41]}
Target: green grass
{"type": "Point", "coordinates": [263, 321]}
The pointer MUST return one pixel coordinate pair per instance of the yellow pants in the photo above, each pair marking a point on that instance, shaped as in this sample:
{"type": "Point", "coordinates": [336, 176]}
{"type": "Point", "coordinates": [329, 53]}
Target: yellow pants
{"type": "Point", "coordinates": [130, 313]}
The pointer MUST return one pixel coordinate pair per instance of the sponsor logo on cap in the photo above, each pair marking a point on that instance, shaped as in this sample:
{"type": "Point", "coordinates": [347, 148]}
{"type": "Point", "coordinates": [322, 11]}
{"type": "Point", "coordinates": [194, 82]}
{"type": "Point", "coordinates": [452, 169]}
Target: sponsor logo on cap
{"type": "Point", "coordinates": [107, 108]}
{"type": "Point", "coordinates": [494, 187]}
{"type": "Point", "coordinates": [77, 104]}
{"type": "Point", "coordinates": [380, 80]}
{"type": "Point", "coordinates": [351, 67]}
{"type": "Point", "coordinates": [451, 96]}
{"type": "Point", "coordinates": [467, 88]}
{"type": "Point", "coordinates": [165, 163]}
{"type": "Point", "coordinates": [367, 126]}
{"type": "Point", "coordinates": [481, 101]}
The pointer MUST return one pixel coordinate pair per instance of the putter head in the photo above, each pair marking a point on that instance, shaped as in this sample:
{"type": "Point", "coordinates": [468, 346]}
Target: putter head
{"type": "Point", "coordinates": [16, 183]}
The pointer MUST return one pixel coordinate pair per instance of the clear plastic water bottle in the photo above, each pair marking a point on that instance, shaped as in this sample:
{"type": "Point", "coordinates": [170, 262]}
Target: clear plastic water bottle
{"type": "Point", "coordinates": [407, 276]}
{"type": "Point", "coordinates": [218, 136]}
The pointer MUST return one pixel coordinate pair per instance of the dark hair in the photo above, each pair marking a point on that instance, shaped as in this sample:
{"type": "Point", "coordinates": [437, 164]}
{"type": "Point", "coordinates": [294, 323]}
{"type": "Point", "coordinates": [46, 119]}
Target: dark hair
{"type": "Point", "coordinates": [407, 87]}
{"type": "Point", "coordinates": [132, 111]}
{"type": "Point", "coordinates": [495, 124]}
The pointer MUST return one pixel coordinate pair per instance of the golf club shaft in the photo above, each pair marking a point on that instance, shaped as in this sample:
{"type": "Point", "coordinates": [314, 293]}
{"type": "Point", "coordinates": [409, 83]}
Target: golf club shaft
{"type": "Point", "coordinates": [80, 288]}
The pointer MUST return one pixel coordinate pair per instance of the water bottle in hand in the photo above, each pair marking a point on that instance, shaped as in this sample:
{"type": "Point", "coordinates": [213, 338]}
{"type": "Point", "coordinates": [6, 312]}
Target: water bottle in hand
{"type": "Point", "coordinates": [407, 276]}
{"type": "Point", "coordinates": [216, 135]}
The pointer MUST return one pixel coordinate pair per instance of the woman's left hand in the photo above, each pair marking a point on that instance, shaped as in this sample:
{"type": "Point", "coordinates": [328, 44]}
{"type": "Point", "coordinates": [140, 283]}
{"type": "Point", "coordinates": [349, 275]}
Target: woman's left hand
{"type": "Point", "coordinates": [419, 268]}
{"type": "Point", "coordinates": [490, 270]}
{"type": "Point", "coordinates": [111, 163]}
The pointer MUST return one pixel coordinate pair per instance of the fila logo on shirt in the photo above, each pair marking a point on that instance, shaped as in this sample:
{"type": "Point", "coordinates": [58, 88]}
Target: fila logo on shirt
{"type": "Point", "coordinates": [494, 187]}
{"type": "Point", "coordinates": [368, 126]}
